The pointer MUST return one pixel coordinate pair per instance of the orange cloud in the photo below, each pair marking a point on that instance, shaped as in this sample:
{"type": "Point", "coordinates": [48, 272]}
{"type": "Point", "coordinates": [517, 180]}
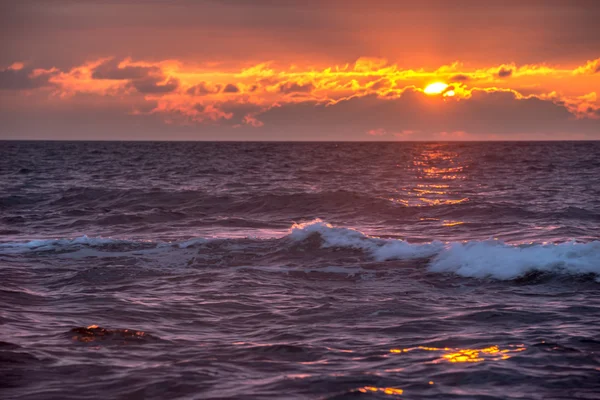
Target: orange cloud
{"type": "Point", "coordinates": [206, 94]}
{"type": "Point", "coordinates": [377, 132]}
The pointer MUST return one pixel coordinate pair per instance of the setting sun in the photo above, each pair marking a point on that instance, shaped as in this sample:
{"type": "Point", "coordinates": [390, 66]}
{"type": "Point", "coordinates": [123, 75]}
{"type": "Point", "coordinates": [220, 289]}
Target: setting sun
{"type": "Point", "coordinates": [435, 88]}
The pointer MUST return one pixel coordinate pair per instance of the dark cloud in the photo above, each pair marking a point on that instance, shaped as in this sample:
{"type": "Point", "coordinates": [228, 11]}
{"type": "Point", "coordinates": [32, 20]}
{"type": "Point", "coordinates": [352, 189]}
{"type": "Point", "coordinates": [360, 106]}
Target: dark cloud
{"type": "Point", "coordinates": [202, 89]}
{"type": "Point", "coordinates": [293, 87]}
{"type": "Point", "coordinates": [152, 85]}
{"type": "Point", "coordinates": [449, 89]}
{"type": "Point", "coordinates": [22, 79]}
{"type": "Point", "coordinates": [597, 68]}
{"type": "Point", "coordinates": [239, 111]}
{"type": "Point", "coordinates": [380, 84]}
{"type": "Point", "coordinates": [144, 79]}
{"type": "Point", "coordinates": [231, 88]}
{"type": "Point", "coordinates": [505, 72]}
{"type": "Point", "coordinates": [460, 78]}
{"type": "Point", "coordinates": [110, 70]}
{"type": "Point", "coordinates": [484, 114]}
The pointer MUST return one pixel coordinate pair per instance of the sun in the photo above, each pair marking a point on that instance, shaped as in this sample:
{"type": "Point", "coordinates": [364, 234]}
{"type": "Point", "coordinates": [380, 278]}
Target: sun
{"type": "Point", "coordinates": [435, 88]}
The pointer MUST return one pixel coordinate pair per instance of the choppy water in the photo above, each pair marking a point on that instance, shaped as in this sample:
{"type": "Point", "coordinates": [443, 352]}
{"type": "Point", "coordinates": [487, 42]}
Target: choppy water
{"type": "Point", "coordinates": [300, 270]}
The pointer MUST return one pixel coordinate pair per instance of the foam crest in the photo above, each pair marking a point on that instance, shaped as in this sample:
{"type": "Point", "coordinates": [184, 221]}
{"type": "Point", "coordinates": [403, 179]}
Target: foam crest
{"type": "Point", "coordinates": [474, 259]}
{"type": "Point", "coordinates": [332, 236]}
{"type": "Point", "coordinates": [501, 261]}
{"type": "Point", "coordinates": [380, 249]}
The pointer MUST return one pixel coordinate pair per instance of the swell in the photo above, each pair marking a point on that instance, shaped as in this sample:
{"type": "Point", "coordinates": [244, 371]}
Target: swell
{"type": "Point", "coordinates": [155, 205]}
{"type": "Point", "coordinates": [474, 259]}
{"type": "Point", "coordinates": [194, 201]}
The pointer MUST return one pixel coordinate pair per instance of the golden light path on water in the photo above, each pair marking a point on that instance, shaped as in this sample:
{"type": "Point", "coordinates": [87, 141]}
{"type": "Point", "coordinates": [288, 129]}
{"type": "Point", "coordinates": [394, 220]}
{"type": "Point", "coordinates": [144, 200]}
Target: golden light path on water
{"type": "Point", "coordinates": [439, 178]}
{"type": "Point", "coordinates": [452, 355]}
{"type": "Point", "coordinates": [458, 355]}
{"type": "Point", "coordinates": [385, 390]}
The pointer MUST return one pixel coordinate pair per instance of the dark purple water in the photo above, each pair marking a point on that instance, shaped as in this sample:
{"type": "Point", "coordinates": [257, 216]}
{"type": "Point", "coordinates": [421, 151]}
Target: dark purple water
{"type": "Point", "coordinates": [300, 270]}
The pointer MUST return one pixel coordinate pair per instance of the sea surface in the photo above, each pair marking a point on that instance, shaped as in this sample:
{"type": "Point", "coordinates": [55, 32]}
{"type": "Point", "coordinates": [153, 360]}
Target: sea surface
{"type": "Point", "coordinates": [299, 270]}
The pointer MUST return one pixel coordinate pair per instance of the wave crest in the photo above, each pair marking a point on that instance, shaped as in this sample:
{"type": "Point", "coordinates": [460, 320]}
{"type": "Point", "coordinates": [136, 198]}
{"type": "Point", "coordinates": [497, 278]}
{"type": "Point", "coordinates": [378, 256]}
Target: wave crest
{"type": "Point", "coordinates": [501, 261]}
{"type": "Point", "coordinates": [381, 249]}
{"type": "Point", "coordinates": [474, 259]}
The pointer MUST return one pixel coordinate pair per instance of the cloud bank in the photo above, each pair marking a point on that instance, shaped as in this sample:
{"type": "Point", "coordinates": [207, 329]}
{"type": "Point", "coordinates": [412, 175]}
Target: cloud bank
{"type": "Point", "coordinates": [370, 99]}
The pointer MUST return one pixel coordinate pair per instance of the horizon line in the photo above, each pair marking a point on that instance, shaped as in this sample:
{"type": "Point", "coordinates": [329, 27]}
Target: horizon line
{"type": "Point", "coordinates": [298, 141]}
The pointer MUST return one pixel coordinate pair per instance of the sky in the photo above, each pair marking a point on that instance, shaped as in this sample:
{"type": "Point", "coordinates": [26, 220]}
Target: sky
{"type": "Point", "coordinates": [290, 70]}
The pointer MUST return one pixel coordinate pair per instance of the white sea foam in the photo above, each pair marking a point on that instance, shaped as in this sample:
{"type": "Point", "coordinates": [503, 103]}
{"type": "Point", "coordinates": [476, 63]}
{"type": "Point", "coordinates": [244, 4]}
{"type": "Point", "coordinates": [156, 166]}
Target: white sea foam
{"type": "Point", "coordinates": [477, 259]}
{"type": "Point", "coordinates": [381, 249]}
{"type": "Point", "coordinates": [501, 261]}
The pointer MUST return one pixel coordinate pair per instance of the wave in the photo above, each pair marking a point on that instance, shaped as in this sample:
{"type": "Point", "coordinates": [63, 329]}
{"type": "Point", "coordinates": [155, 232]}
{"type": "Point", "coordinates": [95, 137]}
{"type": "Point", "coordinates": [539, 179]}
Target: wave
{"type": "Point", "coordinates": [49, 245]}
{"type": "Point", "coordinates": [381, 249]}
{"type": "Point", "coordinates": [180, 203]}
{"type": "Point", "coordinates": [473, 259]}
{"type": "Point", "coordinates": [501, 261]}
{"type": "Point", "coordinates": [113, 206]}
{"type": "Point", "coordinates": [53, 244]}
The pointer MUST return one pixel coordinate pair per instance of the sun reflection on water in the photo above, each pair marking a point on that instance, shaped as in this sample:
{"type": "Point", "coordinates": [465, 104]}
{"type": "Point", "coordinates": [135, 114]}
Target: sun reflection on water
{"type": "Point", "coordinates": [437, 202]}
{"type": "Point", "coordinates": [458, 355]}
{"type": "Point", "coordinates": [434, 186]}
{"type": "Point", "coordinates": [425, 191]}
{"type": "Point", "coordinates": [432, 167]}
{"type": "Point", "coordinates": [452, 223]}
{"type": "Point", "coordinates": [386, 390]}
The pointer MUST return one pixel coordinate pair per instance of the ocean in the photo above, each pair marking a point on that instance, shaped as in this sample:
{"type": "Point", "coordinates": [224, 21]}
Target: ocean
{"type": "Point", "coordinates": [204, 270]}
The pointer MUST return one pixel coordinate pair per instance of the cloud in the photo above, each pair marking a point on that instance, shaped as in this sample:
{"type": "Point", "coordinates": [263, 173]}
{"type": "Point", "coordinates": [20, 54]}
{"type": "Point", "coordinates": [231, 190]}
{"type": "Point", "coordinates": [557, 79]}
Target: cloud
{"type": "Point", "coordinates": [231, 88]}
{"type": "Point", "coordinates": [370, 95]}
{"type": "Point", "coordinates": [377, 132]}
{"type": "Point", "coordinates": [459, 78]}
{"type": "Point", "coordinates": [505, 72]}
{"type": "Point", "coordinates": [203, 89]}
{"type": "Point", "coordinates": [111, 70]}
{"type": "Point", "coordinates": [145, 79]}
{"type": "Point", "coordinates": [293, 87]}
{"type": "Point", "coordinates": [152, 85]}
{"type": "Point", "coordinates": [18, 77]}
{"type": "Point", "coordinates": [483, 114]}
{"type": "Point", "coordinates": [411, 116]}
{"type": "Point", "coordinates": [591, 67]}
{"type": "Point", "coordinates": [61, 33]}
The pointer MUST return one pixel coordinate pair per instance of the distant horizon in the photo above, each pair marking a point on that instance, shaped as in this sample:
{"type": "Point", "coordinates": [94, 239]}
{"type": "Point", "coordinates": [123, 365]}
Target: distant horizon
{"type": "Point", "coordinates": [303, 141]}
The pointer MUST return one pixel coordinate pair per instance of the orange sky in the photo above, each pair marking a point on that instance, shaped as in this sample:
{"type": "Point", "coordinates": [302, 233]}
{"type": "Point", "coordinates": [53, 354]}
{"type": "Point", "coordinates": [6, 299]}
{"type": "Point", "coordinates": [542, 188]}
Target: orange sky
{"type": "Point", "coordinates": [279, 70]}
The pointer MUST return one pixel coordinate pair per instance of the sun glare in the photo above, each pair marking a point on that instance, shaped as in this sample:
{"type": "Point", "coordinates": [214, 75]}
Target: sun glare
{"type": "Point", "coordinates": [435, 88]}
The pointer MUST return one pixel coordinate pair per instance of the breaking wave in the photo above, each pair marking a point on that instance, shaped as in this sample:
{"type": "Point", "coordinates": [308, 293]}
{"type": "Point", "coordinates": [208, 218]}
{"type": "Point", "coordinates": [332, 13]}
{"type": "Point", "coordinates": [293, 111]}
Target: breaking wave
{"type": "Point", "coordinates": [473, 259]}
